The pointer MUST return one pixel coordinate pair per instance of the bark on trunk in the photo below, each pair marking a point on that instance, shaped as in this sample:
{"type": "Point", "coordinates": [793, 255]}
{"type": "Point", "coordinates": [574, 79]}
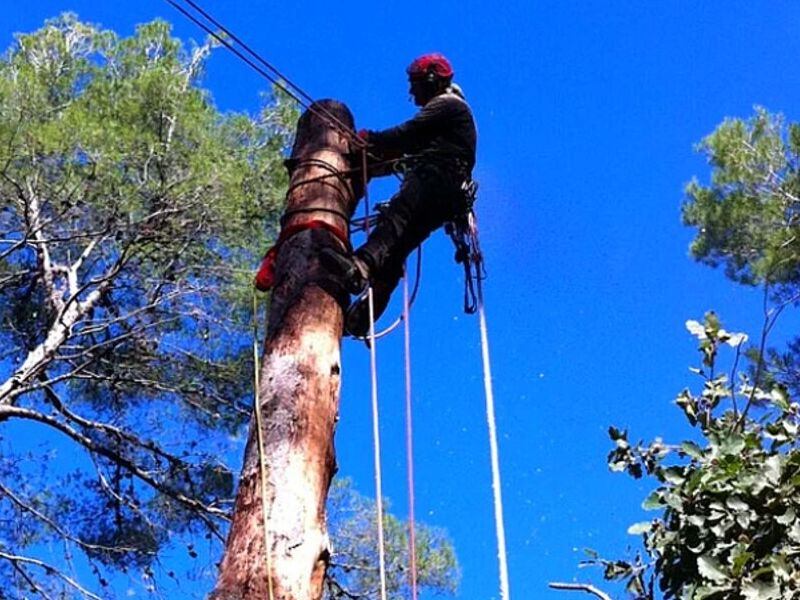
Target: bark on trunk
{"type": "Point", "coordinates": [299, 387]}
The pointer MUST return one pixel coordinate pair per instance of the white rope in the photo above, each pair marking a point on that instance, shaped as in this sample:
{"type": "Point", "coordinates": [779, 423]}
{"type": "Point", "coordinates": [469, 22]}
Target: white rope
{"type": "Point", "coordinates": [490, 417]}
{"type": "Point", "coordinates": [412, 534]}
{"type": "Point", "coordinates": [376, 436]}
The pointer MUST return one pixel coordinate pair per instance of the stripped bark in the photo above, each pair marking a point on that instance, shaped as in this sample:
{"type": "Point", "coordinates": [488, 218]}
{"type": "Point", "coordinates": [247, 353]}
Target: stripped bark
{"type": "Point", "coordinates": [299, 390]}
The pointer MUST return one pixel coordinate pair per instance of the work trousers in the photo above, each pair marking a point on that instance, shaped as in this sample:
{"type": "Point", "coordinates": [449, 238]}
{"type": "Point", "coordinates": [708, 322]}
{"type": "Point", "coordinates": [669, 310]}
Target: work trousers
{"type": "Point", "coordinates": [429, 196]}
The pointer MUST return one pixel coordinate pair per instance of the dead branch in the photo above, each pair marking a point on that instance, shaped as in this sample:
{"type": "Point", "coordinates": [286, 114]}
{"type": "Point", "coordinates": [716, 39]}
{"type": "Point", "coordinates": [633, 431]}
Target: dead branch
{"type": "Point", "coordinates": [580, 587]}
{"type": "Point", "coordinates": [17, 561]}
{"type": "Point", "coordinates": [337, 590]}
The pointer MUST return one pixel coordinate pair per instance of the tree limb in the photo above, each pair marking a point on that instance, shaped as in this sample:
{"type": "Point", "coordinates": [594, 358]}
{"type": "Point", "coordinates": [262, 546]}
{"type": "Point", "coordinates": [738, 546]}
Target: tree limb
{"type": "Point", "coordinates": [71, 312]}
{"type": "Point", "coordinates": [134, 469]}
{"type": "Point", "coordinates": [580, 587]}
{"type": "Point", "coordinates": [23, 506]}
{"type": "Point", "coordinates": [18, 561]}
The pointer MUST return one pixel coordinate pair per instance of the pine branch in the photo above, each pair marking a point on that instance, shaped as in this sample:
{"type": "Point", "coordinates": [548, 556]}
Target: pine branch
{"type": "Point", "coordinates": [203, 511]}
{"type": "Point", "coordinates": [25, 507]}
{"type": "Point", "coordinates": [337, 590]}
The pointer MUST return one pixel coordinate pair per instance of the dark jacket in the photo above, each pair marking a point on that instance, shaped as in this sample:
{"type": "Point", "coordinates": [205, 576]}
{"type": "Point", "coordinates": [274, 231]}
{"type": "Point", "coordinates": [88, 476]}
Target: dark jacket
{"type": "Point", "coordinates": [442, 133]}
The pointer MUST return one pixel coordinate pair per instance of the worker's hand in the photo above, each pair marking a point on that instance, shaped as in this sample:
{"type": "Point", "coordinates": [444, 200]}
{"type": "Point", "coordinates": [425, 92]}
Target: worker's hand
{"type": "Point", "coordinates": [359, 142]}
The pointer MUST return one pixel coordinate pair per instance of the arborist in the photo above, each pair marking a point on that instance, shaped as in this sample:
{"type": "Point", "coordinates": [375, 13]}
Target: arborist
{"type": "Point", "coordinates": [436, 149]}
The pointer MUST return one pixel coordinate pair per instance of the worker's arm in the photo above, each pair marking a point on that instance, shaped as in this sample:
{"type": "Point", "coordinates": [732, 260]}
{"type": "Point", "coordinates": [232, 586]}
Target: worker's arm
{"type": "Point", "coordinates": [416, 133]}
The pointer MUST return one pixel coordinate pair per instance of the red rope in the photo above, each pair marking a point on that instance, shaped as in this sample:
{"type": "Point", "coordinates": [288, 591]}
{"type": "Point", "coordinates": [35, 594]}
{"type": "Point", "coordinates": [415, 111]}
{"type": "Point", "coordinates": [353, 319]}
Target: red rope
{"type": "Point", "coordinates": [265, 278]}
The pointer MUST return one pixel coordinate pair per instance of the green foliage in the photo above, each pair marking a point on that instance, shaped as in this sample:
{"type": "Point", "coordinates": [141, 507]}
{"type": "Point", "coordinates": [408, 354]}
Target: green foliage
{"type": "Point", "coordinates": [354, 563]}
{"type": "Point", "coordinates": [132, 216]}
{"type": "Point", "coordinates": [729, 499]}
{"type": "Point", "coordinates": [747, 217]}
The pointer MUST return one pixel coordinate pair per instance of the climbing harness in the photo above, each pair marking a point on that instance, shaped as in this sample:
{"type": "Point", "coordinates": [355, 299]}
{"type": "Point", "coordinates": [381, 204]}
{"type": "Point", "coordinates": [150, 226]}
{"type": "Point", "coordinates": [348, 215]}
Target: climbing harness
{"type": "Point", "coordinates": [465, 240]}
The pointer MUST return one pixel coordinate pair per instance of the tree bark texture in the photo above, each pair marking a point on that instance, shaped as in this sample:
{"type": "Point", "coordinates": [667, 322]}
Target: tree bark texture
{"type": "Point", "coordinates": [299, 384]}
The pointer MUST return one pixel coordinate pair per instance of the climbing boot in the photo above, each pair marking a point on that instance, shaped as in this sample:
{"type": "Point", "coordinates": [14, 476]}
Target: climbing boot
{"type": "Point", "coordinates": [351, 269]}
{"type": "Point", "coordinates": [356, 320]}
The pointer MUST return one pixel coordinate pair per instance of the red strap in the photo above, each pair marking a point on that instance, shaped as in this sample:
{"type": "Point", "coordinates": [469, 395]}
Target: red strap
{"type": "Point", "coordinates": [265, 278]}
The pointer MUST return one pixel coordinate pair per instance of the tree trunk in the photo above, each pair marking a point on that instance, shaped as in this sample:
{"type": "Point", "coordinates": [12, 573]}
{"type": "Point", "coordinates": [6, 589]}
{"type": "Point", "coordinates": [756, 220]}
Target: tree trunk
{"type": "Point", "coordinates": [299, 386]}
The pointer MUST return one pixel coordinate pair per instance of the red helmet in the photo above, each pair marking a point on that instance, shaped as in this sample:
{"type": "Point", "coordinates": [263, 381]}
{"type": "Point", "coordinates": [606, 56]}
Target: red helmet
{"type": "Point", "coordinates": [430, 65]}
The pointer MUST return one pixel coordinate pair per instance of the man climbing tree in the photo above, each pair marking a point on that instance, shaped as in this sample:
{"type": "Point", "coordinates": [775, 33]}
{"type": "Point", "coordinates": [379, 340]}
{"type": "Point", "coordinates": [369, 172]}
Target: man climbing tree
{"type": "Point", "coordinates": [436, 149]}
{"type": "Point", "coordinates": [130, 211]}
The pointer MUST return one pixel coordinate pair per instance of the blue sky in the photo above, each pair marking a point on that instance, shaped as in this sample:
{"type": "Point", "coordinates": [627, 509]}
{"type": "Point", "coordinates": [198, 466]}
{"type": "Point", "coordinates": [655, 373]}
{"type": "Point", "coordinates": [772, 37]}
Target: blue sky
{"type": "Point", "coordinates": [587, 113]}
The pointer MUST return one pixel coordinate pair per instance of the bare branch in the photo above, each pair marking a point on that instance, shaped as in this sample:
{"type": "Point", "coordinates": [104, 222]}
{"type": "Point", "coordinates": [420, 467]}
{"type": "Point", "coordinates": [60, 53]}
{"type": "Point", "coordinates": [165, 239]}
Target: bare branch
{"type": "Point", "coordinates": [22, 505]}
{"type": "Point", "coordinates": [18, 561]}
{"type": "Point", "coordinates": [108, 429]}
{"type": "Point", "coordinates": [13, 246]}
{"type": "Point", "coordinates": [159, 386]}
{"type": "Point", "coordinates": [337, 590]}
{"type": "Point", "coordinates": [11, 277]}
{"type": "Point", "coordinates": [70, 313]}
{"type": "Point", "coordinates": [30, 581]}
{"type": "Point", "coordinates": [580, 587]}
{"type": "Point", "coordinates": [53, 292]}
{"type": "Point", "coordinates": [110, 343]}
{"type": "Point", "coordinates": [72, 271]}
{"type": "Point", "coordinates": [198, 507]}
{"type": "Point", "coordinates": [117, 496]}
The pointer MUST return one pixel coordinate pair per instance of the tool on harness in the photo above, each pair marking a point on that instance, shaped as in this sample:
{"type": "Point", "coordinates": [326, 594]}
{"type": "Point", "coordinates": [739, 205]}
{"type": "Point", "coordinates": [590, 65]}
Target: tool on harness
{"type": "Point", "coordinates": [465, 239]}
{"type": "Point", "coordinates": [368, 222]}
